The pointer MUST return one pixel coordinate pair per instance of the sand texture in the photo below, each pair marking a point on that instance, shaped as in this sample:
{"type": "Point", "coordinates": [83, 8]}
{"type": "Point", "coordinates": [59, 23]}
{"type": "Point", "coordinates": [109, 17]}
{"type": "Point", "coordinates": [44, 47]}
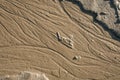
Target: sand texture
{"type": "Point", "coordinates": [60, 39]}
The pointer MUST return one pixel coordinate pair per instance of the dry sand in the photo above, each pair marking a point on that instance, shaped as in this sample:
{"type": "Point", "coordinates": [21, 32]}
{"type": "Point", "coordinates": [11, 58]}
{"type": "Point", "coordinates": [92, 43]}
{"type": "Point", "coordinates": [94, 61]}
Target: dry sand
{"type": "Point", "coordinates": [83, 50]}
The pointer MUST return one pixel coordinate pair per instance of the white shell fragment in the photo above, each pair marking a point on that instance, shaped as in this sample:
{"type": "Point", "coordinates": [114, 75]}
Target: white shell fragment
{"type": "Point", "coordinates": [25, 75]}
{"type": "Point", "coordinates": [66, 41]}
{"type": "Point", "coordinates": [76, 57]}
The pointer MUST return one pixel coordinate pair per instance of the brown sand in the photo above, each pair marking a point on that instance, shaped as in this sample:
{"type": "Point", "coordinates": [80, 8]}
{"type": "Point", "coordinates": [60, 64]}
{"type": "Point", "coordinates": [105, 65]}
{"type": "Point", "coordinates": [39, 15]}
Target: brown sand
{"type": "Point", "coordinates": [28, 41]}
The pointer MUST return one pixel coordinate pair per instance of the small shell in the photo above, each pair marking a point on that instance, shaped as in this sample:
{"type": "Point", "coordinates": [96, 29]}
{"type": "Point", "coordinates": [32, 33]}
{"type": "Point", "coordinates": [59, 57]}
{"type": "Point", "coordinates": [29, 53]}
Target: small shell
{"type": "Point", "coordinates": [76, 57]}
{"type": "Point", "coordinates": [58, 36]}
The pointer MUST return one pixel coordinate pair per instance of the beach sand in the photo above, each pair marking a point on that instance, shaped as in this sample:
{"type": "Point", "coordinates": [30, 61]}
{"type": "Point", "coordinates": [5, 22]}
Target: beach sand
{"type": "Point", "coordinates": [28, 41]}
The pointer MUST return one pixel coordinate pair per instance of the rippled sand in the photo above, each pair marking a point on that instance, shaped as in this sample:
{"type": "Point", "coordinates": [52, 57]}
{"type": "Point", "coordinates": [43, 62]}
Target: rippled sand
{"type": "Point", "coordinates": [84, 50]}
